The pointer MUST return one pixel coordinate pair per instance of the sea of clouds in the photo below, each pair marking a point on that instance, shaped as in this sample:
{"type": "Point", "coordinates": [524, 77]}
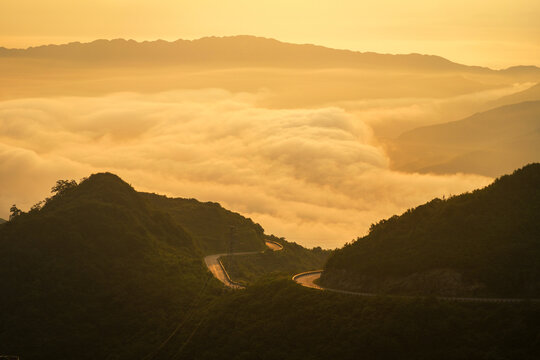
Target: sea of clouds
{"type": "Point", "coordinates": [314, 176]}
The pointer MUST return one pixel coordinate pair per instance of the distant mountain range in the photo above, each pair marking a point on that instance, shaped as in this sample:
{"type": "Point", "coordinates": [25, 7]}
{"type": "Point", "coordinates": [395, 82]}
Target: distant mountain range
{"type": "Point", "coordinates": [531, 94]}
{"type": "Point", "coordinates": [244, 50]}
{"type": "Point", "coordinates": [490, 143]}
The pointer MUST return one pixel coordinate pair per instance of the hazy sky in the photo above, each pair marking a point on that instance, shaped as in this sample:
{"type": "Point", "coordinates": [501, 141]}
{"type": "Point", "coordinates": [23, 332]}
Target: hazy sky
{"type": "Point", "coordinates": [495, 33]}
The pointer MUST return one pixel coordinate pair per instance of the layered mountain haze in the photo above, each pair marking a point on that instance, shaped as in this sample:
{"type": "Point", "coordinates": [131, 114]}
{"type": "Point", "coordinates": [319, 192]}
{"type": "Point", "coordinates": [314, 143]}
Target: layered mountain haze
{"type": "Point", "coordinates": [530, 94]}
{"type": "Point", "coordinates": [246, 189]}
{"type": "Point", "coordinates": [296, 75]}
{"type": "Point", "coordinates": [294, 136]}
{"type": "Point", "coordinates": [236, 51]}
{"type": "Point", "coordinates": [490, 143]}
{"type": "Point", "coordinates": [307, 174]}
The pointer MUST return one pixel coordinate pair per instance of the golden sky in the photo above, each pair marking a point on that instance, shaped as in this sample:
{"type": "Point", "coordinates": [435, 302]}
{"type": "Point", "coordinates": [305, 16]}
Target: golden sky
{"type": "Point", "coordinates": [496, 33]}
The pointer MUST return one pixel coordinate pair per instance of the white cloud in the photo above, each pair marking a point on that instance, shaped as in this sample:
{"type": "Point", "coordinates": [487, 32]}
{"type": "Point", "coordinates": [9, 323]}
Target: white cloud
{"type": "Point", "coordinates": [315, 176]}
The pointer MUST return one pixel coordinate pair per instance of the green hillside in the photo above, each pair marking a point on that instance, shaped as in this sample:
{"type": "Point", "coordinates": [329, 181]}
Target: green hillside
{"type": "Point", "coordinates": [101, 271]}
{"type": "Point", "coordinates": [97, 272]}
{"type": "Point", "coordinates": [209, 224]}
{"type": "Point", "coordinates": [280, 320]}
{"type": "Point", "coordinates": [292, 259]}
{"type": "Point", "coordinates": [484, 243]}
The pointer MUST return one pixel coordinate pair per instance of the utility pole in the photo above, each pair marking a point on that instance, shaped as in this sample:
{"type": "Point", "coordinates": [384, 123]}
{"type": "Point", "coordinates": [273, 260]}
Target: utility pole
{"type": "Point", "coordinates": [230, 252]}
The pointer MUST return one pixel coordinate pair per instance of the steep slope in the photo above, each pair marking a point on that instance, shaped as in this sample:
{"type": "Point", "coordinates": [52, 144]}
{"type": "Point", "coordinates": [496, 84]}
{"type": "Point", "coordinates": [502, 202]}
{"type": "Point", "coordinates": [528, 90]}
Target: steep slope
{"type": "Point", "coordinates": [281, 320]}
{"type": "Point", "coordinates": [93, 270]}
{"type": "Point", "coordinates": [485, 243]}
{"type": "Point", "coordinates": [2, 221]}
{"type": "Point", "coordinates": [214, 229]}
{"type": "Point", "coordinates": [292, 259]}
{"type": "Point", "coordinates": [490, 143]}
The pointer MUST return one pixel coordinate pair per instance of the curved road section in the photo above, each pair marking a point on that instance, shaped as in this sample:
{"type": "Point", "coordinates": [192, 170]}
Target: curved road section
{"type": "Point", "coordinates": [214, 264]}
{"type": "Point", "coordinates": [307, 279]}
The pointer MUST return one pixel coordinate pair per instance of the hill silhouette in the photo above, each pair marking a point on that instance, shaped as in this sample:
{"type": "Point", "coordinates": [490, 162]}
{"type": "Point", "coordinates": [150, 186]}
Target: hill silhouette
{"type": "Point", "coordinates": [292, 75]}
{"type": "Point", "coordinates": [100, 263]}
{"type": "Point", "coordinates": [490, 143]}
{"type": "Point", "coordinates": [102, 271]}
{"type": "Point", "coordinates": [240, 50]}
{"type": "Point", "coordinates": [210, 225]}
{"type": "Point", "coordinates": [281, 320]}
{"type": "Point", "coordinates": [484, 243]}
{"type": "Point", "coordinates": [530, 94]}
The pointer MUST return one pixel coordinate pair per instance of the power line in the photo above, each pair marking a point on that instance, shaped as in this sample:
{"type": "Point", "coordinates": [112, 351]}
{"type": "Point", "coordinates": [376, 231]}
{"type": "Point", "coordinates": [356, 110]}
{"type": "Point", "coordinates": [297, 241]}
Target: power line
{"type": "Point", "coordinates": [195, 302]}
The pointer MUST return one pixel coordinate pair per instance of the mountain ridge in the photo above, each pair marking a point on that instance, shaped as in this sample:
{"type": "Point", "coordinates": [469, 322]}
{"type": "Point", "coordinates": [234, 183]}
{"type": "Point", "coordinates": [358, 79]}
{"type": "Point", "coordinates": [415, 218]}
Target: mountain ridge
{"type": "Point", "coordinates": [242, 42]}
{"type": "Point", "coordinates": [488, 143]}
{"type": "Point", "coordinates": [484, 243]}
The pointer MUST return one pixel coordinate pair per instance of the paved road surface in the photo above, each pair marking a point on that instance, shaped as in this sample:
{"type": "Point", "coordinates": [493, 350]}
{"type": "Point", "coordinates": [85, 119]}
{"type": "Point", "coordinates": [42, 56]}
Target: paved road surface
{"type": "Point", "coordinates": [307, 279]}
{"type": "Point", "coordinates": [274, 245]}
{"type": "Point", "coordinates": [215, 266]}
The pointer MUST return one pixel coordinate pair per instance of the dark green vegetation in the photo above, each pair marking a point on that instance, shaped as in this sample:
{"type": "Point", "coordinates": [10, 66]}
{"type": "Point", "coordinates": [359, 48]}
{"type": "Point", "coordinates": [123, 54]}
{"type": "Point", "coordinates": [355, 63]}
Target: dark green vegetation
{"type": "Point", "coordinates": [209, 224]}
{"type": "Point", "coordinates": [484, 243]}
{"type": "Point", "coordinates": [281, 320]}
{"type": "Point", "coordinates": [490, 143]}
{"type": "Point", "coordinates": [100, 271]}
{"type": "Point", "coordinates": [291, 260]}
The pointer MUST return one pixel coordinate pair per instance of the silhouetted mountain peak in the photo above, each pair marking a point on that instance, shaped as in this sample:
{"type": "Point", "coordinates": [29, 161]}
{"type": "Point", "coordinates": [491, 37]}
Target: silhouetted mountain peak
{"type": "Point", "coordinates": [479, 243]}
{"type": "Point", "coordinates": [239, 50]}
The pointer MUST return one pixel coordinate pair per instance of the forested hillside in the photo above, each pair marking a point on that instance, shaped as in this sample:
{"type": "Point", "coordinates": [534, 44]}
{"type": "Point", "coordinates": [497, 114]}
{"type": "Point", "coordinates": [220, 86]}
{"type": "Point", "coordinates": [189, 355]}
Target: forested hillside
{"type": "Point", "coordinates": [292, 259]}
{"type": "Point", "coordinates": [210, 225]}
{"type": "Point", "coordinates": [280, 320]}
{"type": "Point", "coordinates": [484, 243]}
{"type": "Point", "coordinates": [100, 270]}
{"type": "Point", "coordinates": [96, 272]}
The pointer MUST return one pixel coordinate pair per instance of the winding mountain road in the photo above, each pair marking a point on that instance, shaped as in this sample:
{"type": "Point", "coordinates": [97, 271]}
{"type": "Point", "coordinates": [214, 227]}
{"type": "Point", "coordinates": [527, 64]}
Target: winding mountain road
{"type": "Point", "coordinates": [308, 278]}
{"type": "Point", "coordinates": [214, 264]}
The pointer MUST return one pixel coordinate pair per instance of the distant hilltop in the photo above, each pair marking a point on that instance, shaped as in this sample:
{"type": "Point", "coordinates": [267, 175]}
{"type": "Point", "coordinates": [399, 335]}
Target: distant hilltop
{"type": "Point", "coordinates": [243, 50]}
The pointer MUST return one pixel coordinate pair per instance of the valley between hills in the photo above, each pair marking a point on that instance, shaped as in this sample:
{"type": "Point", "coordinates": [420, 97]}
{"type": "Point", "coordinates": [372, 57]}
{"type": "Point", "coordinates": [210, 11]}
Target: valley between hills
{"type": "Point", "coordinates": [102, 239]}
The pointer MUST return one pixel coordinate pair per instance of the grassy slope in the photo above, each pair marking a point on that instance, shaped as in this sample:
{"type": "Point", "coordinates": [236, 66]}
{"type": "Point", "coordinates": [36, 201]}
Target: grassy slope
{"type": "Point", "coordinates": [291, 260]}
{"type": "Point", "coordinates": [281, 320]}
{"type": "Point", "coordinates": [97, 272]}
{"type": "Point", "coordinates": [481, 243]}
{"type": "Point", "coordinates": [210, 224]}
{"type": "Point", "coordinates": [101, 273]}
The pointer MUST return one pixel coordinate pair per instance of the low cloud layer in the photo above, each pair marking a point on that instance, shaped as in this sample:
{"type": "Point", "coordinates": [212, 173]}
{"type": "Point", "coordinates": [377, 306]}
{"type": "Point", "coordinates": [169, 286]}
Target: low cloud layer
{"type": "Point", "coordinates": [315, 176]}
